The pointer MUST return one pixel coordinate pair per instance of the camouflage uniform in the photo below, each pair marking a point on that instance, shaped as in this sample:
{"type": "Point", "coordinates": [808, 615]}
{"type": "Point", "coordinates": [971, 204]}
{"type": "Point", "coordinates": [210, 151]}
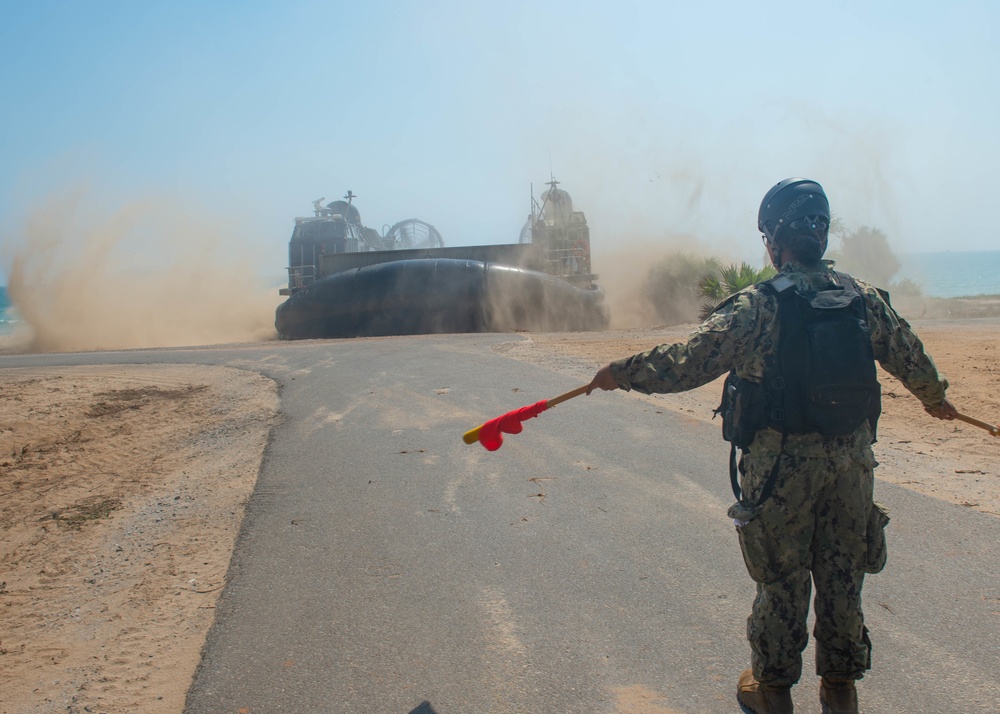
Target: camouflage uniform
{"type": "Point", "coordinates": [820, 522]}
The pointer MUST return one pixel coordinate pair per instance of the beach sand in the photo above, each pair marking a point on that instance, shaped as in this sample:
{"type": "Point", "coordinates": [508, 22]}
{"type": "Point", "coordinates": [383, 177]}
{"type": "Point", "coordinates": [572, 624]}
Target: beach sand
{"type": "Point", "coordinates": [122, 490]}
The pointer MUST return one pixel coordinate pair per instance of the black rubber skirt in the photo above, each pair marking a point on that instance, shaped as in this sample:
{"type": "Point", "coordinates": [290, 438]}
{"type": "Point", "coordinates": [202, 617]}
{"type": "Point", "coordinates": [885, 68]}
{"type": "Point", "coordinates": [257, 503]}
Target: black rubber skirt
{"type": "Point", "coordinates": [430, 296]}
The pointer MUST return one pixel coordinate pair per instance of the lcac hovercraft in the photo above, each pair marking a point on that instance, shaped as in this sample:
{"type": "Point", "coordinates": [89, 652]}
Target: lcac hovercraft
{"type": "Point", "coordinates": [347, 280]}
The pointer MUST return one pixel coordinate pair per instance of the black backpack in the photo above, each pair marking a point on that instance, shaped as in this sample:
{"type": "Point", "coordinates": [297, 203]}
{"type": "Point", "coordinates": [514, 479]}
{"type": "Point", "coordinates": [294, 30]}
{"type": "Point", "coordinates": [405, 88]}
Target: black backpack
{"type": "Point", "coordinates": [822, 378]}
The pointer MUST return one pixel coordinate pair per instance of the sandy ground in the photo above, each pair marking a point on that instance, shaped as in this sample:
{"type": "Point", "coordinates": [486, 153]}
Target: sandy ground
{"type": "Point", "coordinates": [121, 494]}
{"type": "Point", "coordinates": [122, 490]}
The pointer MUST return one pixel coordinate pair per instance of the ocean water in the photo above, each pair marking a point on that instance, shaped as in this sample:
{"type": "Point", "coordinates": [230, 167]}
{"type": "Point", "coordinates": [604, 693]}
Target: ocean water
{"type": "Point", "coordinates": [953, 274]}
{"type": "Point", "coordinates": [943, 274]}
{"type": "Point", "coordinates": [7, 316]}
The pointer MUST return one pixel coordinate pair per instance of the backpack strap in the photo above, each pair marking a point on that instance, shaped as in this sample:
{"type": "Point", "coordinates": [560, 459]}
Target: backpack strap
{"type": "Point", "coordinates": [782, 287]}
{"type": "Point", "coordinates": [779, 285]}
{"type": "Point", "coordinates": [734, 480]}
{"type": "Point", "coordinates": [848, 280]}
{"type": "Point", "coordinates": [873, 417]}
{"type": "Point", "coordinates": [765, 493]}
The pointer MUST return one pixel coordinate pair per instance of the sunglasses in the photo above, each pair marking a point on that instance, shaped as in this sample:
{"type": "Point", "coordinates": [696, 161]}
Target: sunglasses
{"type": "Point", "coordinates": [809, 223]}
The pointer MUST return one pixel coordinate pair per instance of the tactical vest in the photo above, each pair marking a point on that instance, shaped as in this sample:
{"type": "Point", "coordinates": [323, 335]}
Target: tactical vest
{"type": "Point", "coordinates": [821, 379]}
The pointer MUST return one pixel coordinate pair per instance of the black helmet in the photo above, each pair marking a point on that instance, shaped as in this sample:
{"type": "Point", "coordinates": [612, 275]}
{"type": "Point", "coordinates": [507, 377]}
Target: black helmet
{"type": "Point", "coordinates": [789, 200]}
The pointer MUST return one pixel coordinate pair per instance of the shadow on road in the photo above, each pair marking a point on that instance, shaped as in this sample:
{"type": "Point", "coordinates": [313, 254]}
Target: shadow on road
{"type": "Point", "coordinates": [424, 708]}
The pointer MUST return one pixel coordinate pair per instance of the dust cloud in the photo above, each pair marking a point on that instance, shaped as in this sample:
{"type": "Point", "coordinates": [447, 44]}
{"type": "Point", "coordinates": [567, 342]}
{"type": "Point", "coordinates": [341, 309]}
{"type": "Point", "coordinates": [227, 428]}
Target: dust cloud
{"type": "Point", "coordinates": [536, 302]}
{"type": "Point", "coordinates": [623, 274]}
{"type": "Point", "coordinates": [677, 182]}
{"type": "Point", "coordinates": [627, 272]}
{"type": "Point", "coordinates": [143, 274]}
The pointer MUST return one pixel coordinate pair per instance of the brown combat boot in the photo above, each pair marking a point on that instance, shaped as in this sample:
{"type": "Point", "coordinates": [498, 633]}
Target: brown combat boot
{"type": "Point", "coordinates": [763, 698]}
{"type": "Point", "coordinates": [838, 696]}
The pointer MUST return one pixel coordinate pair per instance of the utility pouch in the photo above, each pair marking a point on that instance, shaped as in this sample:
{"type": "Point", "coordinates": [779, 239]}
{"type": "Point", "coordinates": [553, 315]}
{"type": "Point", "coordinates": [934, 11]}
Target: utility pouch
{"type": "Point", "coordinates": [877, 552]}
{"type": "Point", "coordinates": [742, 410]}
{"type": "Point", "coordinates": [755, 544]}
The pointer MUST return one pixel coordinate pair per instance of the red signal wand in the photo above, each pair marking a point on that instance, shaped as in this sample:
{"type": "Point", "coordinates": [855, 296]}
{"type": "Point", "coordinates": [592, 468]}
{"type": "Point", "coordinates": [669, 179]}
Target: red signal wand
{"type": "Point", "coordinates": [489, 434]}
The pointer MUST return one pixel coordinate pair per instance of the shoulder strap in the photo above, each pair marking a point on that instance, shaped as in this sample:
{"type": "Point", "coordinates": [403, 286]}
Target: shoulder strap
{"type": "Point", "coordinates": [780, 285]}
{"type": "Point", "coordinates": [783, 288]}
{"type": "Point", "coordinates": [848, 280]}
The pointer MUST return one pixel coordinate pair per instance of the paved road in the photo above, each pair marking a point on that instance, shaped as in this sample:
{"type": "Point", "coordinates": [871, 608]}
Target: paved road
{"type": "Point", "coordinates": [587, 566]}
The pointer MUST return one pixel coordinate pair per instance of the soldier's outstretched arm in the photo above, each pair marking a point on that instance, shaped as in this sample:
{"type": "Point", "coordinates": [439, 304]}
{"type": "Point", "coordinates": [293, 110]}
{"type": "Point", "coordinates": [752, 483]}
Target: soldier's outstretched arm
{"type": "Point", "coordinates": [726, 336]}
{"type": "Point", "coordinates": [901, 353]}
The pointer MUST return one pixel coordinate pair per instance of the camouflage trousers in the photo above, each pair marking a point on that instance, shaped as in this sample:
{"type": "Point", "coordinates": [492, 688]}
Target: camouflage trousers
{"type": "Point", "coordinates": [819, 526]}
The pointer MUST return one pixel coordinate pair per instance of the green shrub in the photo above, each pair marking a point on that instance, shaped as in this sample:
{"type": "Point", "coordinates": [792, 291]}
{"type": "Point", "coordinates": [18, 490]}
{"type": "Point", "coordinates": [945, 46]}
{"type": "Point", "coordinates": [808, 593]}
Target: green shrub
{"type": "Point", "coordinates": [672, 285]}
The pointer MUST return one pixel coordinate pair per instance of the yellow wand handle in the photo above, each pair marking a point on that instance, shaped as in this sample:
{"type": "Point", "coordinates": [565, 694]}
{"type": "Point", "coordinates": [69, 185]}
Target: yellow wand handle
{"type": "Point", "coordinates": [991, 428]}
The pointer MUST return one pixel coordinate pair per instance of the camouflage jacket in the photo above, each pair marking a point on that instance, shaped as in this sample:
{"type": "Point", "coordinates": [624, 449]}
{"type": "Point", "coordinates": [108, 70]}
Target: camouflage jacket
{"type": "Point", "coordinates": [742, 333]}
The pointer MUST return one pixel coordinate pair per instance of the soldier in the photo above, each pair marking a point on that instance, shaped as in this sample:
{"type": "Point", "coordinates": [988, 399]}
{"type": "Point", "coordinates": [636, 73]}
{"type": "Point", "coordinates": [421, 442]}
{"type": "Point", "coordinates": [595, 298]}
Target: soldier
{"type": "Point", "coordinates": [805, 511]}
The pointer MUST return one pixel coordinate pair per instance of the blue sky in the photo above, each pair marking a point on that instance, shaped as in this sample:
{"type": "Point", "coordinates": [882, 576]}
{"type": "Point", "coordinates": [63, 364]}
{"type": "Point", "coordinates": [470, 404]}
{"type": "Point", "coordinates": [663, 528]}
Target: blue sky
{"type": "Point", "coordinates": [662, 119]}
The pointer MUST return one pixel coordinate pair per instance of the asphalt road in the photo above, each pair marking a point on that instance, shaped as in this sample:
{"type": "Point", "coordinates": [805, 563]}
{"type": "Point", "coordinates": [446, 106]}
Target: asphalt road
{"type": "Point", "coordinates": [384, 566]}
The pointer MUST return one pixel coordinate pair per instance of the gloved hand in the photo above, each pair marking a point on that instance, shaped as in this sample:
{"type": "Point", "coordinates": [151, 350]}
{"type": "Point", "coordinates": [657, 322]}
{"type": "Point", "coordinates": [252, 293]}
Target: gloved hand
{"type": "Point", "coordinates": [603, 380]}
{"type": "Point", "coordinates": [946, 410]}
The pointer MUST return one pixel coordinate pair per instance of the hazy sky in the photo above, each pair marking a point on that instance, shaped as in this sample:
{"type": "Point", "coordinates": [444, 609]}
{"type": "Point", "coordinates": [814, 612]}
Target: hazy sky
{"type": "Point", "coordinates": [660, 118]}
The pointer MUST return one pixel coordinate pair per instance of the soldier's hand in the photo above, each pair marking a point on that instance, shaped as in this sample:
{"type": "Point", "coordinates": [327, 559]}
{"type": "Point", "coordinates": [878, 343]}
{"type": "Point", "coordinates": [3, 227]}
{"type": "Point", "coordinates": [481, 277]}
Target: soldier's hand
{"type": "Point", "coordinates": [946, 410]}
{"type": "Point", "coordinates": [603, 380]}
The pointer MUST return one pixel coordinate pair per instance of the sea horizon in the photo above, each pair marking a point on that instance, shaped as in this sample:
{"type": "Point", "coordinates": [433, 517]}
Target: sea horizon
{"type": "Point", "coordinates": [952, 273]}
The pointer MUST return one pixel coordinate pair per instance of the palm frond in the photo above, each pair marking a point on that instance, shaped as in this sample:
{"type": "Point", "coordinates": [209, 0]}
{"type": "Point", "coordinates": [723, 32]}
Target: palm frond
{"type": "Point", "coordinates": [707, 309]}
{"type": "Point", "coordinates": [730, 279]}
{"type": "Point", "coordinates": [711, 286]}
